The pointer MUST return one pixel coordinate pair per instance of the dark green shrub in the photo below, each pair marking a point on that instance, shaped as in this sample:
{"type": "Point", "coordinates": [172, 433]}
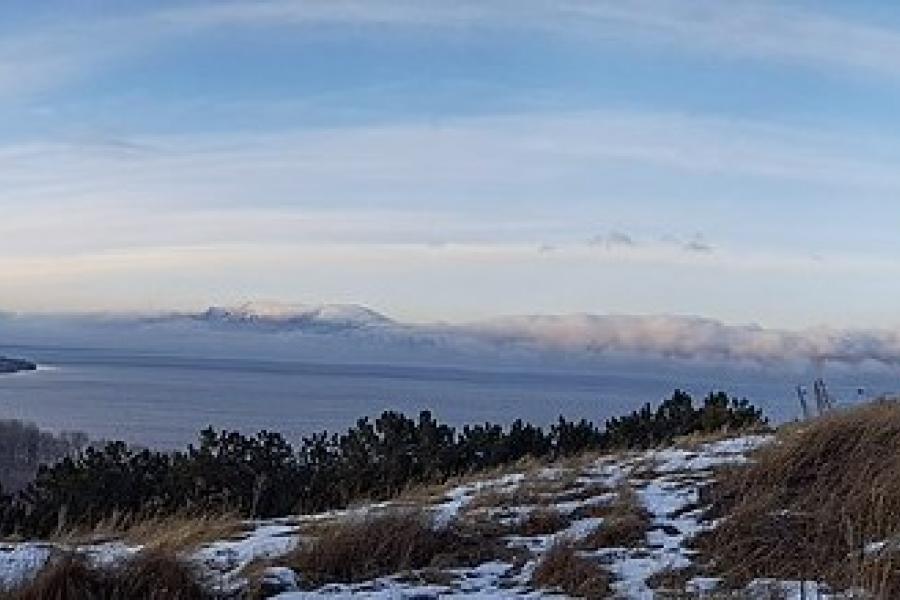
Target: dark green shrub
{"type": "Point", "coordinates": [265, 476]}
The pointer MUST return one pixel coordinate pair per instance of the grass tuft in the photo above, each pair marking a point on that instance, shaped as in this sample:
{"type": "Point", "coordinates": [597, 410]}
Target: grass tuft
{"type": "Point", "coordinates": [159, 575]}
{"type": "Point", "coordinates": [149, 575]}
{"type": "Point", "coordinates": [625, 523]}
{"type": "Point", "coordinates": [389, 543]}
{"type": "Point", "coordinates": [176, 533]}
{"type": "Point", "coordinates": [68, 577]}
{"type": "Point", "coordinates": [563, 569]}
{"type": "Point", "coordinates": [542, 521]}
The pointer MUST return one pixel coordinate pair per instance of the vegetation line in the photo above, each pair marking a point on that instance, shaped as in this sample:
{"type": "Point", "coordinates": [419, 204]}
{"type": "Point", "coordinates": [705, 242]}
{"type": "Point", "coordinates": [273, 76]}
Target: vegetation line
{"type": "Point", "coordinates": [265, 476]}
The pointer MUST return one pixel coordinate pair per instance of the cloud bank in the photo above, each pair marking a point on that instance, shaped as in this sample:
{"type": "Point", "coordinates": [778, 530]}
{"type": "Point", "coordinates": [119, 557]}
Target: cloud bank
{"type": "Point", "coordinates": [352, 333]}
{"type": "Point", "coordinates": [695, 339]}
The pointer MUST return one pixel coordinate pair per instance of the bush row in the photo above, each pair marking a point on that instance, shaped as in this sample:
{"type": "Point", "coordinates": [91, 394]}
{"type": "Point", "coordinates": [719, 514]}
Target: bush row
{"type": "Point", "coordinates": [264, 476]}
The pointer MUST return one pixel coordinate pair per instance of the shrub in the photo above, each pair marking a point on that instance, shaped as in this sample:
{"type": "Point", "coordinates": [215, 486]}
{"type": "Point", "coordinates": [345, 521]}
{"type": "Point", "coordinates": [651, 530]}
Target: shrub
{"type": "Point", "coordinates": [264, 476]}
{"type": "Point", "coordinates": [677, 417]}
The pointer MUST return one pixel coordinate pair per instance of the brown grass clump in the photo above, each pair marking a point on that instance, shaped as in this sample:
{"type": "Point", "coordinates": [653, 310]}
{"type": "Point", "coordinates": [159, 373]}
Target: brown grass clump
{"type": "Point", "coordinates": [542, 521]}
{"type": "Point", "coordinates": [537, 491]}
{"type": "Point", "coordinates": [361, 549]}
{"type": "Point", "coordinates": [158, 575]}
{"type": "Point", "coordinates": [388, 543]}
{"type": "Point", "coordinates": [146, 576]}
{"type": "Point", "coordinates": [417, 493]}
{"type": "Point", "coordinates": [625, 523]}
{"type": "Point", "coordinates": [671, 582]}
{"type": "Point", "coordinates": [182, 534]}
{"type": "Point", "coordinates": [520, 496]}
{"type": "Point", "coordinates": [178, 533]}
{"type": "Point", "coordinates": [809, 505]}
{"type": "Point", "coordinates": [68, 577]}
{"type": "Point", "coordinates": [581, 494]}
{"type": "Point", "coordinates": [694, 441]}
{"type": "Point", "coordinates": [562, 568]}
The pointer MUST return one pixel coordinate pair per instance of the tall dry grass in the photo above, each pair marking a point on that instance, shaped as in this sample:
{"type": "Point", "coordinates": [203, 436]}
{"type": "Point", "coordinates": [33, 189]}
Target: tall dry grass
{"type": "Point", "coordinates": [808, 506]}
{"type": "Point", "coordinates": [176, 533]}
{"type": "Point", "coordinates": [149, 575]}
{"type": "Point", "coordinates": [625, 523]}
{"type": "Point", "coordinates": [388, 543]}
{"type": "Point", "coordinates": [542, 521]}
{"type": "Point", "coordinates": [561, 568]}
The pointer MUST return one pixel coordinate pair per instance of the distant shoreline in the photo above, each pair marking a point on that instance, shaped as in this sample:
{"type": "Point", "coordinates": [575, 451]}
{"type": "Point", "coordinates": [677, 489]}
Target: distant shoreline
{"type": "Point", "coordinates": [15, 365]}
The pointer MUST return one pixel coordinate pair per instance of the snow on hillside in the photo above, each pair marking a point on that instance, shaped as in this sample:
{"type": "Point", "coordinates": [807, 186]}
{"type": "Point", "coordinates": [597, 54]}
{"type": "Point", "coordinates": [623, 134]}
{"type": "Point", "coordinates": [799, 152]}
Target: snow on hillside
{"type": "Point", "coordinates": [666, 484]}
{"type": "Point", "coordinates": [334, 316]}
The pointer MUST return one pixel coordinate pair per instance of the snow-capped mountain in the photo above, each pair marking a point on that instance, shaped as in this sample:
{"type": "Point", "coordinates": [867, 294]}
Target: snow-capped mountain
{"type": "Point", "coordinates": [271, 315]}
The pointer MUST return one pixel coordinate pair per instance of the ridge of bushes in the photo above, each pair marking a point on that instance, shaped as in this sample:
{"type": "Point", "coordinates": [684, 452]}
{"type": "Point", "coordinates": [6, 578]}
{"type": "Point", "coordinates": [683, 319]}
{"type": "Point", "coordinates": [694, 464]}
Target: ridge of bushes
{"type": "Point", "coordinates": [263, 475]}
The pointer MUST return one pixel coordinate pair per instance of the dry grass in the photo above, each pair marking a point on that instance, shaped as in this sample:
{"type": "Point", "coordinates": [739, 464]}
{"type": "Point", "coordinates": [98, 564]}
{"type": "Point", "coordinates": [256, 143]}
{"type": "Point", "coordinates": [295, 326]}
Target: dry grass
{"type": "Point", "coordinates": [542, 521]}
{"type": "Point", "coordinates": [158, 575]}
{"type": "Point", "coordinates": [150, 575]}
{"type": "Point", "coordinates": [562, 568]}
{"type": "Point", "coordinates": [417, 494]}
{"type": "Point", "coordinates": [535, 491]}
{"type": "Point", "coordinates": [580, 494]}
{"type": "Point", "coordinates": [520, 496]}
{"type": "Point", "coordinates": [592, 510]}
{"type": "Point", "coordinates": [66, 578]}
{"type": "Point", "coordinates": [693, 441]}
{"type": "Point", "coordinates": [671, 582]}
{"type": "Point", "coordinates": [625, 523]}
{"type": "Point", "coordinates": [388, 543]}
{"type": "Point", "coordinates": [588, 458]}
{"type": "Point", "coordinates": [808, 506]}
{"type": "Point", "coordinates": [179, 533]}
{"type": "Point", "coordinates": [183, 534]}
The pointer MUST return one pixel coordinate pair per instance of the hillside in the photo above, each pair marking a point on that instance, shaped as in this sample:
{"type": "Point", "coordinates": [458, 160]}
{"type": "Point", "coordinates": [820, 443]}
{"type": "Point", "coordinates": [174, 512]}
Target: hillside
{"type": "Point", "coordinates": [624, 521]}
{"type": "Point", "coordinates": [811, 511]}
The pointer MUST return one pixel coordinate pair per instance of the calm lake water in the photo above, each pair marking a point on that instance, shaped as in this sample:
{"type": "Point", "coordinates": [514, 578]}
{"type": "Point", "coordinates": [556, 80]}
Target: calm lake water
{"type": "Point", "coordinates": [164, 401]}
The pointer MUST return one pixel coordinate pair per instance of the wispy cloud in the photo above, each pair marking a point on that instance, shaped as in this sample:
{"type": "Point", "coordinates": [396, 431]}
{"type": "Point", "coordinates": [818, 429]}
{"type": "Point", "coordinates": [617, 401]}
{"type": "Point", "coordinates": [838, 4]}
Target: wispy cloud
{"type": "Point", "coordinates": [613, 239]}
{"type": "Point", "coordinates": [91, 195]}
{"type": "Point", "coordinates": [58, 53]}
{"type": "Point", "coordinates": [762, 30]}
{"type": "Point", "coordinates": [515, 153]}
{"type": "Point", "coordinates": [619, 240]}
{"type": "Point", "coordinates": [698, 244]}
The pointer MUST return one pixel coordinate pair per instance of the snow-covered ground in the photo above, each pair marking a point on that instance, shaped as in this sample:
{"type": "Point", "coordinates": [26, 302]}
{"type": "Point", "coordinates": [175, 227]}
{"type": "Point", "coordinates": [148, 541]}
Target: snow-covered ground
{"type": "Point", "coordinates": [666, 483]}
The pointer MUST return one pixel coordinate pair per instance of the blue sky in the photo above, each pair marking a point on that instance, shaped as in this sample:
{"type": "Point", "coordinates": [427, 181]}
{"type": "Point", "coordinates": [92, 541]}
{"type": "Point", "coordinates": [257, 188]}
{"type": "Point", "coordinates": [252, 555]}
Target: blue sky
{"type": "Point", "coordinates": [439, 160]}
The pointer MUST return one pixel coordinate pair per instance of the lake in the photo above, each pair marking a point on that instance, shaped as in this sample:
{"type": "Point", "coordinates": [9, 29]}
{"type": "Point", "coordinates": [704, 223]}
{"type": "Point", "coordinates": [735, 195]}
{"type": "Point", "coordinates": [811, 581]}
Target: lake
{"type": "Point", "coordinates": [163, 401]}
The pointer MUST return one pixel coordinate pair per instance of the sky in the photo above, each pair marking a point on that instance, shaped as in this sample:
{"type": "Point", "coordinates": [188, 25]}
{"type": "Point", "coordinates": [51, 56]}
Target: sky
{"type": "Point", "coordinates": [454, 160]}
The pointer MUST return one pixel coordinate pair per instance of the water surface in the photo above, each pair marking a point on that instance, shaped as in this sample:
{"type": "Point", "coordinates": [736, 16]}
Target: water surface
{"type": "Point", "coordinates": [162, 401]}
